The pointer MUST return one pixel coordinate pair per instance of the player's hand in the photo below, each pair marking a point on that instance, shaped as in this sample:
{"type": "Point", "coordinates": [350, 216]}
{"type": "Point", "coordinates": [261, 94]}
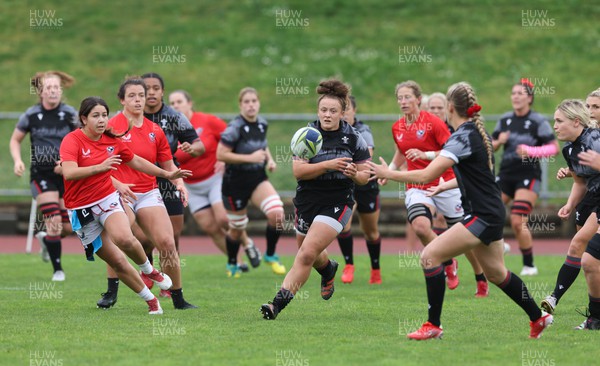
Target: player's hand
{"type": "Point", "coordinates": [186, 147]}
{"type": "Point", "coordinates": [522, 151]}
{"type": "Point", "coordinates": [179, 173]}
{"type": "Point", "coordinates": [351, 170]}
{"type": "Point", "coordinates": [259, 156]}
{"type": "Point", "coordinates": [271, 165]}
{"type": "Point", "coordinates": [563, 173]}
{"type": "Point", "coordinates": [564, 212]}
{"type": "Point", "coordinates": [590, 158]}
{"type": "Point", "coordinates": [125, 191]}
{"type": "Point", "coordinates": [58, 168]}
{"type": "Point", "coordinates": [19, 168]}
{"type": "Point", "coordinates": [183, 194]}
{"type": "Point", "coordinates": [338, 164]}
{"type": "Point", "coordinates": [432, 191]}
{"type": "Point", "coordinates": [415, 154]}
{"type": "Point", "coordinates": [378, 171]}
{"type": "Point", "coordinates": [110, 164]}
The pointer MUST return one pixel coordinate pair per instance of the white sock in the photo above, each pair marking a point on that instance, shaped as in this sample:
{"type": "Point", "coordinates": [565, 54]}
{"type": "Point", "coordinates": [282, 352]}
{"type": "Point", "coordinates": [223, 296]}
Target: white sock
{"type": "Point", "coordinates": [146, 294]}
{"type": "Point", "coordinates": [146, 267]}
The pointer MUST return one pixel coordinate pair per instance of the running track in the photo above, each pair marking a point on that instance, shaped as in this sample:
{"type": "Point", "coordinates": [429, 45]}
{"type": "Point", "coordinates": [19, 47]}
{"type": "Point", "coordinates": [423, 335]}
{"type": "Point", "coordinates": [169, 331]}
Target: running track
{"type": "Point", "coordinates": [287, 245]}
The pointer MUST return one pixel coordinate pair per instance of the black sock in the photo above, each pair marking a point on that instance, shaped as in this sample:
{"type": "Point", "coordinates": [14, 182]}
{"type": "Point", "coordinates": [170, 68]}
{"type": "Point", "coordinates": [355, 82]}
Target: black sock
{"type": "Point", "coordinates": [594, 306]}
{"type": "Point", "coordinates": [346, 240]}
{"type": "Point", "coordinates": [447, 263]}
{"type": "Point", "coordinates": [435, 278]}
{"type": "Point", "coordinates": [113, 284]}
{"type": "Point", "coordinates": [177, 296]}
{"type": "Point", "coordinates": [233, 246]}
{"type": "Point", "coordinates": [282, 299]}
{"type": "Point", "coordinates": [374, 248]}
{"type": "Point", "coordinates": [272, 236]}
{"type": "Point", "coordinates": [480, 277]}
{"type": "Point", "coordinates": [527, 257]}
{"type": "Point", "coordinates": [566, 276]}
{"type": "Point", "coordinates": [325, 271]}
{"type": "Point", "coordinates": [54, 251]}
{"type": "Point", "coordinates": [516, 289]}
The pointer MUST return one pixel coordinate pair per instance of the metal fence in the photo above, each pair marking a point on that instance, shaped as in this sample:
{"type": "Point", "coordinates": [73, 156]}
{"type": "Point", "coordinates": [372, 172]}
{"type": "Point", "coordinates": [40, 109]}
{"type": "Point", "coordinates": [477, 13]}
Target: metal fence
{"type": "Point", "coordinates": [544, 193]}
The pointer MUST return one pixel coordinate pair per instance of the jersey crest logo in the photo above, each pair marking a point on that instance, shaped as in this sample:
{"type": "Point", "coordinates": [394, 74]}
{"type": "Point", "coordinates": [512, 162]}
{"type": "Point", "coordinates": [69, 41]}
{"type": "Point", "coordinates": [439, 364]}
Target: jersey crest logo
{"type": "Point", "coordinates": [261, 128]}
{"type": "Point", "coordinates": [40, 116]}
{"type": "Point", "coordinates": [84, 153]}
{"type": "Point", "coordinates": [508, 122]}
{"type": "Point", "coordinates": [110, 150]}
{"type": "Point", "coordinates": [152, 137]}
{"type": "Point", "coordinates": [420, 134]}
{"type": "Point", "coordinates": [526, 182]}
{"type": "Point", "coordinates": [61, 115]}
{"type": "Point", "coordinates": [163, 123]}
{"type": "Point", "coordinates": [345, 139]}
{"type": "Point", "coordinates": [458, 208]}
{"type": "Point", "coordinates": [247, 129]}
{"type": "Point", "coordinates": [336, 209]}
{"type": "Point", "coordinates": [527, 124]}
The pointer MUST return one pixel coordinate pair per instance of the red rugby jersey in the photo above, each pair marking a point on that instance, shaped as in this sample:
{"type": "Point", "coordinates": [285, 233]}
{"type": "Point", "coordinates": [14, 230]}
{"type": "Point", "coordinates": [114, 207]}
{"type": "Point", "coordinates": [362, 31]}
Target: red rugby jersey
{"type": "Point", "coordinates": [427, 133]}
{"type": "Point", "coordinates": [148, 142]}
{"type": "Point", "coordinates": [77, 147]}
{"type": "Point", "coordinates": [208, 128]}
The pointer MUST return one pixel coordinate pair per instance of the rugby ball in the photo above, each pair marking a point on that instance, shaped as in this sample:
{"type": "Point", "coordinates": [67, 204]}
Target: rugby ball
{"type": "Point", "coordinates": [306, 142]}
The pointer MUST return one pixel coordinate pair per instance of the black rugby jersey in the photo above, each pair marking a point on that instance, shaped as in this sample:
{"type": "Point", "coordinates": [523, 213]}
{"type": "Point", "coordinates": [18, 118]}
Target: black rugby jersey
{"type": "Point", "coordinates": [46, 129]}
{"type": "Point", "coordinates": [480, 194]}
{"type": "Point", "coordinates": [532, 130]}
{"type": "Point", "coordinates": [175, 125]}
{"type": "Point", "coordinates": [245, 137]}
{"type": "Point", "coordinates": [333, 187]}
{"type": "Point", "coordinates": [365, 132]}
{"type": "Point", "coordinates": [588, 140]}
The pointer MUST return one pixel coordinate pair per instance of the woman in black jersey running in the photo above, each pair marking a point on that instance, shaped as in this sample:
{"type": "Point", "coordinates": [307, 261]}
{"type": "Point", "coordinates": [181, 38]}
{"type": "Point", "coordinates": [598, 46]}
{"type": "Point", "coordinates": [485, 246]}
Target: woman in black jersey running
{"type": "Point", "coordinates": [526, 136]}
{"type": "Point", "coordinates": [324, 195]}
{"type": "Point", "coordinates": [469, 152]}
{"type": "Point", "coordinates": [585, 219]}
{"type": "Point", "coordinates": [571, 122]}
{"type": "Point", "coordinates": [244, 150]}
{"type": "Point", "coordinates": [47, 122]}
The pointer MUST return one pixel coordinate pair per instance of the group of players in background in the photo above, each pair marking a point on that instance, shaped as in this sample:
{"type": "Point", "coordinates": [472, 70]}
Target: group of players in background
{"type": "Point", "coordinates": [115, 181]}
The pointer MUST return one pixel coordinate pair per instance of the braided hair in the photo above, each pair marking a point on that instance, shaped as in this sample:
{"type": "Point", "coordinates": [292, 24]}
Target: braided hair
{"type": "Point", "coordinates": [462, 97]}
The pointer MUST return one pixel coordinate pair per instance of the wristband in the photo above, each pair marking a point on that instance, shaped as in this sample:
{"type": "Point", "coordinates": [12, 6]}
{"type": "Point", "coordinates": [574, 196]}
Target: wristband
{"type": "Point", "coordinates": [429, 155]}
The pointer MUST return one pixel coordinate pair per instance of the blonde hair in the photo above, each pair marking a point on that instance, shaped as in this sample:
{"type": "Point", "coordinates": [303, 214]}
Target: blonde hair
{"type": "Point", "coordinates": [462, 96]}
{"type": "Point", "coordinates": [575, 109]}
{"type": "Point", "coordinates": [37, 81]}
{"type": "Point", "coordinates": [595, 93]}
{"type": "Point", "coordinates": [439, 96]}
{"type": "Point", "coordinates": [411, 84]}
{"type": "Point", "coordinates": [245, 91]}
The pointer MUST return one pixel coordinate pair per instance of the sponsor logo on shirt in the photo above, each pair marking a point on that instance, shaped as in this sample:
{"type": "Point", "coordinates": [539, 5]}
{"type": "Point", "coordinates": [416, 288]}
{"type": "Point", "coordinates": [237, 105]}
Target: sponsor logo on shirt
{"type": "Point", "coordinates": [85, 154]}
{"type": "Point", "coordinates": [508, 122]}
{"type": "Point", "coordinates": [127, 138]}
{"type": "Point", "coordinates": [40, 116]}
{"type": "Point", "coordinates": [399, 137]}
{"type": "Point", "coordinates": [336, 209]}
{"type": "Point", "coordinates": [247, 129]}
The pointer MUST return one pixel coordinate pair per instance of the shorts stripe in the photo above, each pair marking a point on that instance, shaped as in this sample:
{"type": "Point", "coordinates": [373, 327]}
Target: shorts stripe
{"type": "Point", "coordinates": [531, 185]}
{"type": "Point", "coordinates": [471, 222]}
{"type": "Point", "coordinates": [343, 212]}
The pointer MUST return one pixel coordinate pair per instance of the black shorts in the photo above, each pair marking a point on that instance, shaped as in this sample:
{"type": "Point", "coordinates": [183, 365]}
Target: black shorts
{"type": "Point", "coordinates": [238, 188]}
{"type": "Point", "coordinates": [46, 181]}
{"type": "Point", "coordinates": [593, 247]}
{"type": "Point", "coordinates": [510, 184]}
{"type": "Point", "coordinates": [486, 232]}
{"type": "Point", "coordinates": [584, 209]}
{"type": "Point", "coordinates": [336, 216]}
{"type": "Point", "coordinates": [367, 201]}
{"type": "Point", "coordinates": [171, 197]}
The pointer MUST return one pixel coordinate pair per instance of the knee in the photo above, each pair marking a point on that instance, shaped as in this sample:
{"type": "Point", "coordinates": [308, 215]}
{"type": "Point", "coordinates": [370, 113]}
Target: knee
{"type": "Point", "coordinates": [421, 226]}
{"type": "Point", "coordinates": [495, 275]}
{"type": "Point", "coordinates": [275, 218]}
{"type": "Point", "coordinates": [589, 264]}
{"type": "Point", "coordinates": [518, 222]}
{"type": "Point", "coordinates": [577, 247]}
{"type": "Point", "coordinates": [126, 242]}
{"type": "Point", "coordinates": [306, 257]}
{"type": "Point", "coordinates": [119, 265]}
